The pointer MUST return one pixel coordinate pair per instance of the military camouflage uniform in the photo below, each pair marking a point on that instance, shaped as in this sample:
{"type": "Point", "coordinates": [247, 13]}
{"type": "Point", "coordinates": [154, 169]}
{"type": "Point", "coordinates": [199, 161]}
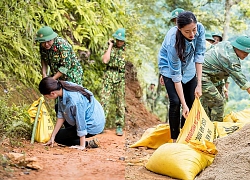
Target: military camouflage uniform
{"type": "Point", "coordinates": [114, 84]}
{"type": "Point", "coordinates": [61, 57]}
{"type": "Point", "coordinates": [208, 45]}
{"type": "Point", "coordinates": [220, 62]}
{"type": "Point", "coordinates": [165, 101]}
{"type": "Point", "coordinates": [221, 87]}
{"type": "Point", "coordinates": [151, 97]}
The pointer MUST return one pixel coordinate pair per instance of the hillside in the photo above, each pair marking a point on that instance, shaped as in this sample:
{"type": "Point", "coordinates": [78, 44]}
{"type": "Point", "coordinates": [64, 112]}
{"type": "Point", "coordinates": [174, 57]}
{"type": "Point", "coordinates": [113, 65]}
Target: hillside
{"type": "Point", "coordinates": [137, 116]}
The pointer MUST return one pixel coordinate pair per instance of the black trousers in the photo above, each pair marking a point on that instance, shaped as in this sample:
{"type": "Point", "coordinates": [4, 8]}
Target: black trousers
{"type": "Point", "coordinates": [174, 108]}
{"type": "Point", "coordinates": [68, 136]}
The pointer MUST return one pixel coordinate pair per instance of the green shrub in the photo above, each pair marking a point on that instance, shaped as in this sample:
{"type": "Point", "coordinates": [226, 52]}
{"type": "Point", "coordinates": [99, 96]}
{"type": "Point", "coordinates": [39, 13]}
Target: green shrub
{"type": "Point", "coordinates": [14, 121]}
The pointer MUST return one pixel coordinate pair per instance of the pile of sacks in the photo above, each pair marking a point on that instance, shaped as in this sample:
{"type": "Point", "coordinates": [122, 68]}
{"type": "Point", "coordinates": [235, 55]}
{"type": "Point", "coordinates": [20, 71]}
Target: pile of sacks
{"type": "Point", "coordinates": [194, 150]}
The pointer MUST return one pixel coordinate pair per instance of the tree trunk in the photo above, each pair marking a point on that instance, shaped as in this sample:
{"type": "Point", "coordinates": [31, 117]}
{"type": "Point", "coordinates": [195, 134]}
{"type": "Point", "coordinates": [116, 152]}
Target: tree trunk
{"type": "Point", "coordinates": [228, 5]}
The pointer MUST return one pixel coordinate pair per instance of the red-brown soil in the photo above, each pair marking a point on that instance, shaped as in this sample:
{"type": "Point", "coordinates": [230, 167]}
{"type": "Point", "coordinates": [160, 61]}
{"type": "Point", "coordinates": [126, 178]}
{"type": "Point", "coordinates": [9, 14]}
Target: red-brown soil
{"type": "Point", "coordinates": [107, 162]}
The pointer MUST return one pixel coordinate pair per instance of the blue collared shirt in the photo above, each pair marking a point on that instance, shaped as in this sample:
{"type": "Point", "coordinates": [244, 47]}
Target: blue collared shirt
{"type": "Point", "coordinates": [76, 109]}
{"type": "Point", "coordinates": [169, 63]}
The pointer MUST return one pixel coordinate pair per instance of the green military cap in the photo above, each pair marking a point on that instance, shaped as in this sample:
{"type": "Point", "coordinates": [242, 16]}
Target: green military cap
{"type": "Point", "coordinates": [45, 34]}
{"type": "Point", "coordinates": [208, 36]}
{"type": "Point", "coordinates": [242, 43]}
{"type": "Point", "coordinates": [120, 34]}
{"type": "Point", "coordinates": [218, 35]}
{"type": "Point", "coordinates": [176, 12]}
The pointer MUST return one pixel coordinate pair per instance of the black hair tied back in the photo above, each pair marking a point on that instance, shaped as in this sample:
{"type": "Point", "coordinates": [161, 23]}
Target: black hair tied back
{"type": "Point", "coordinates": [59, 85]}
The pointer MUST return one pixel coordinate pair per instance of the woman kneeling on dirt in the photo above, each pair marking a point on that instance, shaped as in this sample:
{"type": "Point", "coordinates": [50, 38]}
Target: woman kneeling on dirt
{"type": "Point", "coordinates": [79, 108]}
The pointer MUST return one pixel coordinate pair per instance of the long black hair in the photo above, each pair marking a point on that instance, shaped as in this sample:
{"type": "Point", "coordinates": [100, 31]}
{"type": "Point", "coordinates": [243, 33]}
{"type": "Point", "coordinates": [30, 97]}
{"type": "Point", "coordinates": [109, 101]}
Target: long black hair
{"type": "Point", "coordinates": [48, 84]}
{"type": "Point", "coordinates": [183, 19]}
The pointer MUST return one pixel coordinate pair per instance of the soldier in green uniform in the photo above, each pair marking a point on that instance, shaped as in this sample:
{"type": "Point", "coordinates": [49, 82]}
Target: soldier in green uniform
{"type": "Point", "coordinates": [223, 85]}
{"type": "Point", "coordinates": [58, 54]}
{"type": "Point", "coordinates": [222, 61]}
{"type": "Point", "coordinates": [209, 45]}
{"type": "Point", "coordinates": [175, 13]}
{"type": "Point", "coordinates": [209, 38]}
{"type": "Point", "coordinates": [209, 41]}
{"type": "Point", "coordinates": [114, 78]}
{"type": "Point", "coordinates": [166, 103]}
{"type": "Point", "coordinates": [217, 37]}
{"type": "Point", "coordinates": [151, 96]}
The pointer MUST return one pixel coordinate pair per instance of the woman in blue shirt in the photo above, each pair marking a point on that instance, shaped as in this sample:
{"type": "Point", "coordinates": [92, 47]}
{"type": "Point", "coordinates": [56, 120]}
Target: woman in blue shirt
{"type": "Point", "coordinates": [79, 108]}
{"type": "Point", "coordinates": [180, 65]}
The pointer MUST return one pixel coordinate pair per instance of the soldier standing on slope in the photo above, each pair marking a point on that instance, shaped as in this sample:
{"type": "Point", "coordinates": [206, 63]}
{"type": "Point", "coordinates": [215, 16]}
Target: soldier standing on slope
{"type": "Point", "coordinates": [114, 78]}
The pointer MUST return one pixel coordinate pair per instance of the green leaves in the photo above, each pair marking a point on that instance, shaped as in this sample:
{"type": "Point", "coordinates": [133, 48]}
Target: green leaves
{"type": "Point", "coordinates": [87, 25]}
{"type": "Point", "coordinates": [14, 120]}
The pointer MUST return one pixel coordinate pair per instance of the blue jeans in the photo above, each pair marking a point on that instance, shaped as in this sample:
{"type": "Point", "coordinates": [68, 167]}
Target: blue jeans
{"type": "Point", "coordinates": [174, 108]}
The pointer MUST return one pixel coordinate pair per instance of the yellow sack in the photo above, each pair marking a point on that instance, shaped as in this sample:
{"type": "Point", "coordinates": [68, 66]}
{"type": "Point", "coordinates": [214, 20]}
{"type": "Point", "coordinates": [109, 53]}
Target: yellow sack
{"type": "Point", "coordinates": [206, 147]}
{"type": "Point", "coordinates": [228, 118]}
{"type": "Point", "coordinates": [182, 161]}
{"type": "Point", "coordinates": [226, 128]}
{"type": "Point", "coordinates": [45, 125]}
{"type": "Point", "coordinates": [197, 125]}
{"type": "Point", "coordinates": [241, 116]}
{"type": "Point", "coordinates": [154, 137]}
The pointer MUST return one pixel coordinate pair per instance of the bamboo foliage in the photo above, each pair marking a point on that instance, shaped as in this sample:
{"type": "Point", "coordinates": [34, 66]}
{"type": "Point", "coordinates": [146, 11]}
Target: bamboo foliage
{"type": "Point", "coordinates": [87, 25]}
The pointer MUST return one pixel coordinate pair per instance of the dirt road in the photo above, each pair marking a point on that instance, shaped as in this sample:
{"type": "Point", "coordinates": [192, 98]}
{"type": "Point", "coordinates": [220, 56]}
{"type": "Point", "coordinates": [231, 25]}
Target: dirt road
{"type": "Point", "coordinates": [106, 162]}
